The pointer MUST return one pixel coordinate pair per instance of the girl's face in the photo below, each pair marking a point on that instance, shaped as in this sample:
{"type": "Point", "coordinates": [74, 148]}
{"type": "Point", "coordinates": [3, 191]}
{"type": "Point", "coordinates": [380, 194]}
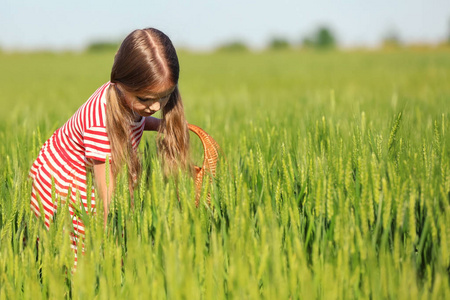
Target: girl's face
{"type": "Point", "coordinates": [151, 101]}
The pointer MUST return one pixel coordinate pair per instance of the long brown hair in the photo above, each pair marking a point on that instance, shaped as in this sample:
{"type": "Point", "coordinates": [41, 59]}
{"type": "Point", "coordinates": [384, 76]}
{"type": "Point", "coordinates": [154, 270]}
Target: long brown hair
{"type": "Point", "coordinates": [146, 57]}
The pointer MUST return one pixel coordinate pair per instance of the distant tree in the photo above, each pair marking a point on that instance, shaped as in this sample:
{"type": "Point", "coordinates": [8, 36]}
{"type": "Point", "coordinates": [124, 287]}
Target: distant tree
{"type": "Point", "coordinates": [279, 43]}
{"type": "Point", "coordinates": [235, 46]}
{"type": "Point", "coordinates": [325, 38]}
{"type": "Point", "coordinates": [391, 39]}
{"type": "Point", "coordinates": [322, 38]}
{"type": "Point", "coordinates": [103, 46]}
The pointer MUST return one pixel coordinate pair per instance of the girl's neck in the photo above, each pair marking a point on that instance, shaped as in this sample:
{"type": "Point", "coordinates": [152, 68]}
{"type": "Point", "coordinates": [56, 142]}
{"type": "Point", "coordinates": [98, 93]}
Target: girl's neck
{"type": "Point", "coordinates": [136, 117]}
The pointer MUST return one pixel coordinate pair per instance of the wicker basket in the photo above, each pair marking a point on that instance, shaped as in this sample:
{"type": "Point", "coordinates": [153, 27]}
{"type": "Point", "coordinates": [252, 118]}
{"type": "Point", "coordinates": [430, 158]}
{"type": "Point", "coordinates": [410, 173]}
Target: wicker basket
{"type": "Point", "coordinates": [211, 155]}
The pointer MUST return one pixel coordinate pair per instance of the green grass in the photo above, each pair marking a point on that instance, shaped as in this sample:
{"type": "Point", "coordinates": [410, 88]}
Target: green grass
{"type": "Point", "coordinates": [335, 182]}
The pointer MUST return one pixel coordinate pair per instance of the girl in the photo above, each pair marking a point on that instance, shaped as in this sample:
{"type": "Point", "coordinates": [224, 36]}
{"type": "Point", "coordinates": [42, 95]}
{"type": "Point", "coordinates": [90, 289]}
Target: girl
{"type": "Point", "coordinates": [144, 80]}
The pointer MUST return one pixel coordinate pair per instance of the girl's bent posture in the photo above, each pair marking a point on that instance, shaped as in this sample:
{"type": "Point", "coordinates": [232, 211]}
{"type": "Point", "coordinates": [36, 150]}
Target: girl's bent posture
{"type": "Point", "coordinates": [110, 124]}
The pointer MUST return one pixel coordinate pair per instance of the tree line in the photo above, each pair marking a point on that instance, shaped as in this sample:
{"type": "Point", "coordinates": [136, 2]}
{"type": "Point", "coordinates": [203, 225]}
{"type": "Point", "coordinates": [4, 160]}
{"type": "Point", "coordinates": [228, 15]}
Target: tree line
{"type": "Point", "coordinates": [322, 38]}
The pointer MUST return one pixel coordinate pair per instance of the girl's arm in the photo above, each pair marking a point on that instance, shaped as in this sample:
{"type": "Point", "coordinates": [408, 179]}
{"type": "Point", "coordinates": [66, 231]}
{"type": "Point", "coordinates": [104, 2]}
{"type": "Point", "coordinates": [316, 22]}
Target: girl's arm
{"type": "Point", "coordinates": [104, 191]}
{"type": "Point", "coordinates": [152, 123]}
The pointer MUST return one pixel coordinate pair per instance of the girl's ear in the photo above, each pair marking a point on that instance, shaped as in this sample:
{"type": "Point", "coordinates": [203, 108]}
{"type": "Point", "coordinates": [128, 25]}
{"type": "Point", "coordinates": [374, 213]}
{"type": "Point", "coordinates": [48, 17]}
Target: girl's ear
{"type": "Point", "coordinates": [118, 89]}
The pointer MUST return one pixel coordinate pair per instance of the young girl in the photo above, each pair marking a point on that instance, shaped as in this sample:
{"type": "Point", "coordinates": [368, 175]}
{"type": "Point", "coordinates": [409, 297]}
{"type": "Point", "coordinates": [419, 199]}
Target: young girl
{"type": "Point", "coordinates": [110, 124]}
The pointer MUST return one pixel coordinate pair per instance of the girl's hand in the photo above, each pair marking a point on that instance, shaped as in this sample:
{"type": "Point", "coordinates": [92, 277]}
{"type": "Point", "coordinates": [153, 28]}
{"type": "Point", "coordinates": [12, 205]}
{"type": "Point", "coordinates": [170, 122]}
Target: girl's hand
{"type": "Point", "coordinates": [152, 124]}
{"type": "Point", "coordinates": [104, 191]}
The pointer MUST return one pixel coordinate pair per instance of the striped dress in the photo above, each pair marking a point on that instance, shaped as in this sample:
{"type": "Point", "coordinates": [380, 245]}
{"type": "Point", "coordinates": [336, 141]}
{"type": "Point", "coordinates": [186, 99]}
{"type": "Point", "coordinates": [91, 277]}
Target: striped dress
{"type": "Point", "coordinates": [67, 156]}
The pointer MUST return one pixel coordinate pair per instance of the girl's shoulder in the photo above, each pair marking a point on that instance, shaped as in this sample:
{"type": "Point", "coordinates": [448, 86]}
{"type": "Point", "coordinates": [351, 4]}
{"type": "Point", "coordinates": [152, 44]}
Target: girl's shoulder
{"type": "Point", "coordinates": [100, 94]}
{"type": "Point", "coordinates": [93, 112]}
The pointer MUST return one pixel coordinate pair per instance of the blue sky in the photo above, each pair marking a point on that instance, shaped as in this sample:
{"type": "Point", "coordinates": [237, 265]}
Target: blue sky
{"type": "Point", "coordinates": [199, 24]}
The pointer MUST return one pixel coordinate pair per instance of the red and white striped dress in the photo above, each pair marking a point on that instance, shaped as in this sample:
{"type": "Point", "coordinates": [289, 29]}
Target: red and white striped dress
{"type": "Point", "coordinates": [68, 155]}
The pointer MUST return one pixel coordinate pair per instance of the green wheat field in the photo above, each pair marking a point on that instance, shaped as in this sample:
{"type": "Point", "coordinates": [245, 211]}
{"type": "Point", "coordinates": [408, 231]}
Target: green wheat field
{"type": "Point", "coordinates": [334, 182]}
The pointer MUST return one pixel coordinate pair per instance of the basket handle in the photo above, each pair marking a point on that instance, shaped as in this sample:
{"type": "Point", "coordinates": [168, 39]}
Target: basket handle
{"type": "Point", "coordinates": [211, 156]}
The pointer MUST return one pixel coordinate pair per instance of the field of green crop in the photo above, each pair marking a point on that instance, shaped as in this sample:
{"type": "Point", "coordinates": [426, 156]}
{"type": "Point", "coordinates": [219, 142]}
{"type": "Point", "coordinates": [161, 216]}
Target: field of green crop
{"type": "Point", "coordinates": [335, 182]}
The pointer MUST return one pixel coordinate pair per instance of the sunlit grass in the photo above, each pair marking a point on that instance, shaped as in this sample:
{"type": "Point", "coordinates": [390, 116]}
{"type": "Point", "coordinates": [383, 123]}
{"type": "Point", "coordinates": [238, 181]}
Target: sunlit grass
{"type": "Point", "coordinates": [335, 182]}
